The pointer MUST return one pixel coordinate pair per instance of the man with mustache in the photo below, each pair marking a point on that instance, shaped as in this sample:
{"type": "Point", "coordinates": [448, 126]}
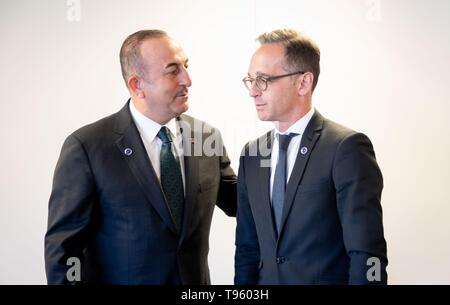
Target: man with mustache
{"type": "Point", "coordinates": [134, 193]}
{"type": "Point", "coordinates": [309, 191]}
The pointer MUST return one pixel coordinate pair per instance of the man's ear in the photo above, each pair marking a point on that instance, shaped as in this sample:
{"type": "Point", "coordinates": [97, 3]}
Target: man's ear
{"type": "Point", "coordinates": [306, 83]}
{"type": "Point", "coordinates": [135, 86]}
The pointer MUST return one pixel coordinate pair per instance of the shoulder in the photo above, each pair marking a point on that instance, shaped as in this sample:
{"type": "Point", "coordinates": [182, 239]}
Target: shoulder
{"type": "Point", "coordinates": [343, 140]}
{"type": "Point", "coordinates": [335, 130]}
{"type": "Point", "coordinates": [94, 129]}
{"type": "Point", "coordinates": [195, 125]}
{"type": "Point", "coordinates": [103, 130]}
{"type": "Point", "coordinates": [338, 134]}
{"type": "Point", "coordinates": [191, 121]}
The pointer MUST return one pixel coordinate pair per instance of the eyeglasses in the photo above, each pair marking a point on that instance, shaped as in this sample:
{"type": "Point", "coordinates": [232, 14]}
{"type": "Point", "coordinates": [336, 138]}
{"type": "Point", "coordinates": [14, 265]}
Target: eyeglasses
{"type": "Point", "coordinates": [261, 81]}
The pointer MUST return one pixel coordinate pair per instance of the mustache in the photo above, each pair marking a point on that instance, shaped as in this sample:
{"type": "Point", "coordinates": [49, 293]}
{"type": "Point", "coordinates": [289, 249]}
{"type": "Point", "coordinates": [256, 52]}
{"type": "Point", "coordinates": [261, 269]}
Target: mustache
{"type": "Point", "coordinates": [183, 91]}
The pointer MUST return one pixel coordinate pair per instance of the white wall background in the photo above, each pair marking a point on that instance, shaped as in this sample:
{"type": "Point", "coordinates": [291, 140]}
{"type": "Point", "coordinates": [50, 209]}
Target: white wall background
{"type": "Point", "coordinates": [385, 72]}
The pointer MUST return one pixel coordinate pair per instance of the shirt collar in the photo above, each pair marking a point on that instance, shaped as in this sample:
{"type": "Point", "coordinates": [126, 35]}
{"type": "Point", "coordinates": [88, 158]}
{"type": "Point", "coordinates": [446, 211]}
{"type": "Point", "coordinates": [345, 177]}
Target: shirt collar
{"type": "Point", "coordinates": [149, 128]}
{"type": "Point", "coordinates": [299, 126]}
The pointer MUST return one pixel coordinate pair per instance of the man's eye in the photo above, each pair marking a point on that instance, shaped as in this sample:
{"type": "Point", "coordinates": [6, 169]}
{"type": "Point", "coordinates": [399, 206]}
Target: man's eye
{"type": "Point", "coordinates": [174, 71]}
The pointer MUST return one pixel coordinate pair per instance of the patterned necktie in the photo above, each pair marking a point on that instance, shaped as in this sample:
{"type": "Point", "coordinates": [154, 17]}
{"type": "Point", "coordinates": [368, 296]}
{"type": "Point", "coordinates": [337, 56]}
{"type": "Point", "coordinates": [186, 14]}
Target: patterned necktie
{"type": "Point", "coordinates": [279, 181]}
{"type": "Point", "coordinates": [171, 180]}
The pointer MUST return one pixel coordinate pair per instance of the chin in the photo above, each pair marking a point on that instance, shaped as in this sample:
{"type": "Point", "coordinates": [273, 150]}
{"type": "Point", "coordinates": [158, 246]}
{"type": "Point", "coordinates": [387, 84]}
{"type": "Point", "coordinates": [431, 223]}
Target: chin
{"type": "Point", "coordinates": [182, 108]}
{"type": "Point", "coordinates": [185, 106]}
{"type": "Point", "coordinates": [263, 117]}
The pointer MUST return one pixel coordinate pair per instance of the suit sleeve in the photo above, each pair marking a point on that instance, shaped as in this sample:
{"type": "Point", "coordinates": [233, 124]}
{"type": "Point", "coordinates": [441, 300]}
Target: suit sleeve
{"type": "Point", "coordinates": [359, 183]}
{"type": "Point", "coordinates": [70, 209]}
{"type": "Point", "coordinates": [247, 254]}
{"type": "Point", "coordinates": [227, 196]}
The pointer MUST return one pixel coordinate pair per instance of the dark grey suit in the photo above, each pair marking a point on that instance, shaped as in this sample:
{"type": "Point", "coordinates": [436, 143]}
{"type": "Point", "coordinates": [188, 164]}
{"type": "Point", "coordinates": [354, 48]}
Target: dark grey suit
{"type": "Point", "coordinates": [331, 220]}
{"type": "Point", "coordinates": [108, 209]}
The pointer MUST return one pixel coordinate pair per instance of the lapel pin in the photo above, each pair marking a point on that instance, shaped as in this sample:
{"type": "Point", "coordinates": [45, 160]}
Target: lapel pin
{"type": "Point", "coordinates": [128, 152]}
{"type": "Point", "coordinates": [303, 150]}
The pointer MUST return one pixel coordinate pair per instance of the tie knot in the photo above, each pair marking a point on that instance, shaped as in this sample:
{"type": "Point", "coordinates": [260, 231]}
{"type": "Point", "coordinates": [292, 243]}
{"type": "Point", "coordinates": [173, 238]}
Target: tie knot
{"type": "Point", "coordinates": [164, 135]}
{"type": "Point", "coordinates": [284, 140]}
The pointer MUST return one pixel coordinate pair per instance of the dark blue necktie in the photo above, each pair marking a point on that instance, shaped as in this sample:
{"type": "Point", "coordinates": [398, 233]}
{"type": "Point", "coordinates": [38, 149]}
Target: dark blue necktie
{"type": "Point", "coordinates": [171, 180]}
{"type": "Point", "coordinates": [279, 181]}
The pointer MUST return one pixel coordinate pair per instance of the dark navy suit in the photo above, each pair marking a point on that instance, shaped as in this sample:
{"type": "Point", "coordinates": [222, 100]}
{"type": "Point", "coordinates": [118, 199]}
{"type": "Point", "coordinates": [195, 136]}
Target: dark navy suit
{"type": "Point", "coordinates": [107, 207]}
{"type": "Point", "coordinates": [331, 222]}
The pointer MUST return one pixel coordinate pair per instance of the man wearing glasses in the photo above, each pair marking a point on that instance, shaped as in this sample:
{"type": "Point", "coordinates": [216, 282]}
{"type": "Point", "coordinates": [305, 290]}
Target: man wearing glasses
{"type": "Point", "coordinates": [309, 191]}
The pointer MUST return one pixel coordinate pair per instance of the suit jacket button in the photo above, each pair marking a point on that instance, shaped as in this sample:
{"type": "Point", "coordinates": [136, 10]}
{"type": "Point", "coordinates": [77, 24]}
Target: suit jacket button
{"type": "Point", "coordinates": [281, 259]}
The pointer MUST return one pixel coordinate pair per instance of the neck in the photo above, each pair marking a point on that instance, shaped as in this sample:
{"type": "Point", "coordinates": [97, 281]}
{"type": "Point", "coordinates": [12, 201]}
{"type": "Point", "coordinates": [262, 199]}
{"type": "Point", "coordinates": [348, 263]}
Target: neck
{"type": "Point", "coordinates": [284, 125]}
{"type": "Point", "coordinates": [146, 111]}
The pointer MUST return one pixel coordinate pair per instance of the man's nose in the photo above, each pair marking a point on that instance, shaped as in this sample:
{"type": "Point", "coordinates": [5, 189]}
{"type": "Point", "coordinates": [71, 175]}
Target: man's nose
{"type": "Point", "coordinates": [185, 79]}
{"type": "Point", "coordinates": [254, 91]}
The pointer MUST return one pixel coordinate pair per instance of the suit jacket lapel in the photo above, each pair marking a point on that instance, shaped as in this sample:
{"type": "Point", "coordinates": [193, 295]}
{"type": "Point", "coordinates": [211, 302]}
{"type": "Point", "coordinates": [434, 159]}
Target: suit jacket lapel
{"type": "Point", "coordinates": [130, 144]}
{"type": "Point", "coordinates": [263, 179]}
{"type": "Point", "coordinates": [309, 139]}
{"type": "Point", "coordinates": [191, 170]}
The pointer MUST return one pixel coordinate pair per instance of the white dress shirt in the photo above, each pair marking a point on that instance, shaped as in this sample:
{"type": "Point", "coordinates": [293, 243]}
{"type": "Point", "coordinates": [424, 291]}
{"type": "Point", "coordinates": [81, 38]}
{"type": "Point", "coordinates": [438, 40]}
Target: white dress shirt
{"type": "Point", "coordinates": [148, 129]}
{"type": "Point", "coordinates": [298, 128]}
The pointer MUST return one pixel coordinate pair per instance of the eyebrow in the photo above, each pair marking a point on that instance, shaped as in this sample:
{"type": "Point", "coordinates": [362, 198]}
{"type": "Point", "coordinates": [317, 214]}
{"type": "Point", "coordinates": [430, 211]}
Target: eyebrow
{"type": "Point", "coordinates": [260, 74]}
{"type": "Point", "coordinates": [172, 64]}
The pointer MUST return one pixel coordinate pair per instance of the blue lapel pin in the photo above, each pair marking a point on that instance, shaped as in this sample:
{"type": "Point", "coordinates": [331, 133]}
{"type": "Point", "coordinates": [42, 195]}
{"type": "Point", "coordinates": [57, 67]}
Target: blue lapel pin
{"type": "Point", "coordinates": [128, 152]}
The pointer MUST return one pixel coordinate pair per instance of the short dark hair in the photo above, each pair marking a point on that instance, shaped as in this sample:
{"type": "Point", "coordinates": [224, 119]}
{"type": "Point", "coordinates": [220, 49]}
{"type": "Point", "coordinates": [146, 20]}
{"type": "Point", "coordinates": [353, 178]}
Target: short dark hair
{"type": "Point", "coordinates": [301, 53]}
{"type": "Point", "coordinates": [130, 53]}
